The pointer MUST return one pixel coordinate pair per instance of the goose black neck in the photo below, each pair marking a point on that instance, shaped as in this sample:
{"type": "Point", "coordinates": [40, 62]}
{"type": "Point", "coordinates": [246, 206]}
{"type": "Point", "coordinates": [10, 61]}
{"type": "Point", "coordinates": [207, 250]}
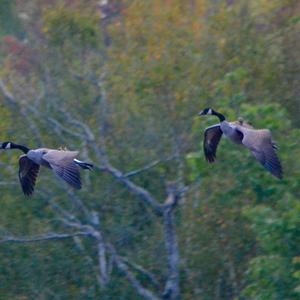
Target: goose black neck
{"type": "Point", "coordinates": [219, 115]}
{"type": "Point", "coordinates": [20, 147]}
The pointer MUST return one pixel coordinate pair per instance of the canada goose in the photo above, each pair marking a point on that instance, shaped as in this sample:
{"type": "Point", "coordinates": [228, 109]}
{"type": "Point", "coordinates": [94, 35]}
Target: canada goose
{"type": "Point", "coordinates": [63, 163]}
{"type": "Point", "coordinates": [258, 141]}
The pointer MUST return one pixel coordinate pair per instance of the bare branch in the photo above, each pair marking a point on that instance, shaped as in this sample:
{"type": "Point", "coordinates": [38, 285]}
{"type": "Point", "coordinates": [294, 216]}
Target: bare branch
{"type": "Point", "coordinates": [88, 229]}
{"type": "Point", "coordinates": [102, 260]}
{"type": "Point", "coordinates": [60, 127]}
{"type": "Point", "coordinates": [65, 215]}
{"type": "Point", "coordinates": [10, 99]}
{"type": "Point", "coordinates": [77, 201]}
{"type": "Point", "coordinates": [39, 238]}
{"type": "Point", "coordinates": [135, 189]}
{"type": "Point", "coordinates": [88, 134]}
{"type": "Point", "coordinates": [172, 289]}
{"type": "Point", "coordinates": [148, 166]}
{"type": "Point", "coordinates": [9, 183]}
{"type": "Point", "coordinates": [88, 259]}
{"type": "Point", "coordinates": [147, 294]}
{"type": "Point", "coordinates": [142, 271]}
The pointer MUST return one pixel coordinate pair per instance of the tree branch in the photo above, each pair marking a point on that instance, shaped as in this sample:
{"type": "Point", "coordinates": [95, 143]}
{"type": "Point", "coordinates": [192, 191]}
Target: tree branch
{"type": "Point", "coordinates": [10, 99]}
{"type": "Point", "coordinates": [13, 103]}
{"type": "Point", "coordinates": [5, 183]}
{"type": "Point", "coordinates": [40, 238]}
{"type": "Point", "coordinates": [60, 127]}
{"type": "Point", "coordinates": [148, 166]}
{"type": "Point", "coordinates": [172, 289]}
{"type": "Point", "coordinates": [132, 187]}
{"type": "Point", "coordinates": [131, 278]}
{"type": "Point", "coordinates": [101, 248]}
{"type": "Point", "coordinates": [142, 271]}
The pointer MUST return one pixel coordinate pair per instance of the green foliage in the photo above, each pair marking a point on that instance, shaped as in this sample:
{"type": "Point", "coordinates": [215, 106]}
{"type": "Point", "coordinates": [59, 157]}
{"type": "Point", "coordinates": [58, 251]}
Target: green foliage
{"type": "Point", "coordinates": [77, 28]}
{"type": "Point", "coordinates": [270, 275]}
{"type": "Point", "coordinates": [277, 231]}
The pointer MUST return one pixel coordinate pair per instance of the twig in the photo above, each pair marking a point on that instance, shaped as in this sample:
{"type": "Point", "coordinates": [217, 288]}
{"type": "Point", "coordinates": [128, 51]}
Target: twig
{"type": "Point", "coordinates": [142, 271]}
{"type": "Point", "coordinates": [44, 237]}
{"type": "Point", "coordinates": [147, 294]}
{"type": "Point", "coordinates": [77, 202]}
{"type": "Point", "coordinates": [135, 189]}
{"type": "Point", "coordinates": [62, 211]}
{"type": "Point", "coordinates": [9, 183]}
{"type": "Point", "coordinates": [64, 129]}
{"type": "Point", "coordinates": [148, 166]}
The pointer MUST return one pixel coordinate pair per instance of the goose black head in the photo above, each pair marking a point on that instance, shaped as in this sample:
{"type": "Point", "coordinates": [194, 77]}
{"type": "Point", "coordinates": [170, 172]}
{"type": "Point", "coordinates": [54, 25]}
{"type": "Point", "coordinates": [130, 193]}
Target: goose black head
{"type": "Point", "coordinates": [210, 111]}
{"type": "Point", "coordinates": [206, 111]}
{"type": "Point", "coordinates": [6, 145]}
{"type": "Point", "coordinates": [10, 145]}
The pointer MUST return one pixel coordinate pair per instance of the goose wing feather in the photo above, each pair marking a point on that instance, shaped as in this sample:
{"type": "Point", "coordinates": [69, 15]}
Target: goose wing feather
{"type": "Point", "coordinates": [60, 156]}
{"type": "Point", "coordinates": [63, 166]}
{"type": "Point", "coordinates": [260, 143]}
{"type": "Point", "coordinates": [212, 136]}
{"type": "Point", "coordinates": [28, 172]}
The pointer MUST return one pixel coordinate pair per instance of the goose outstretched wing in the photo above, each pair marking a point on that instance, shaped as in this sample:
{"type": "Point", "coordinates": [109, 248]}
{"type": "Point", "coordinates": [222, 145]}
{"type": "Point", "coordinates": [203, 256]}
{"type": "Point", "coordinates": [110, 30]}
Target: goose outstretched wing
{"type": "Point", "coordinates": [63, 165]}
{"type": "Point", "coordinates": [212, 136]}
{"type": "Point", "coordinates": [28, 172]}
{"type": "Point", "coordinates": [260, 143]}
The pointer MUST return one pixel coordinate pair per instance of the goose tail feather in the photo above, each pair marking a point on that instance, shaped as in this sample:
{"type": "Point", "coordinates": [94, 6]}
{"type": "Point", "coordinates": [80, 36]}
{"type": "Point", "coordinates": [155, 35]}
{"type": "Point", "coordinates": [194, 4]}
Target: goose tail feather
{"type": "Point", "coordinates": [84, 165]}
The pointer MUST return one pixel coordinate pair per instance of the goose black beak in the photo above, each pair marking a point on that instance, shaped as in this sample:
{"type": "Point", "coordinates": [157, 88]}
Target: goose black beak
{"type": "Point", "coordinates": [200, 113]}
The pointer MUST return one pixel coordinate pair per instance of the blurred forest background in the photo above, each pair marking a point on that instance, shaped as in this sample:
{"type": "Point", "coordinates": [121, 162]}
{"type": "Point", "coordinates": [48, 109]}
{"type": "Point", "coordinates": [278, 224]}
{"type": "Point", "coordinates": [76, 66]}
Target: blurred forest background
{"type": "Point", "coordinates": [122, 81]}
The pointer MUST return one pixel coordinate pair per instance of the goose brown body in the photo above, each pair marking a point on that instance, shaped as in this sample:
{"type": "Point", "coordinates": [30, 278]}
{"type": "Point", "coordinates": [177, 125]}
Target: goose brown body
{"type": "Point", "coordinates": [63, 163]}
{"type": "Point", "coordinates": [258, 141]}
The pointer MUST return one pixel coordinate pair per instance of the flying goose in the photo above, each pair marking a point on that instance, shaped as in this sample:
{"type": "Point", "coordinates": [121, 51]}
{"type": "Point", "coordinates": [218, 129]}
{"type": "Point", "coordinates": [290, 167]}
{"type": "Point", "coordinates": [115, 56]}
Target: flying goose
{"type": "Point", "coordinates": [63, 163]}
{"type": "Point", "coordinates": [258, 141]}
